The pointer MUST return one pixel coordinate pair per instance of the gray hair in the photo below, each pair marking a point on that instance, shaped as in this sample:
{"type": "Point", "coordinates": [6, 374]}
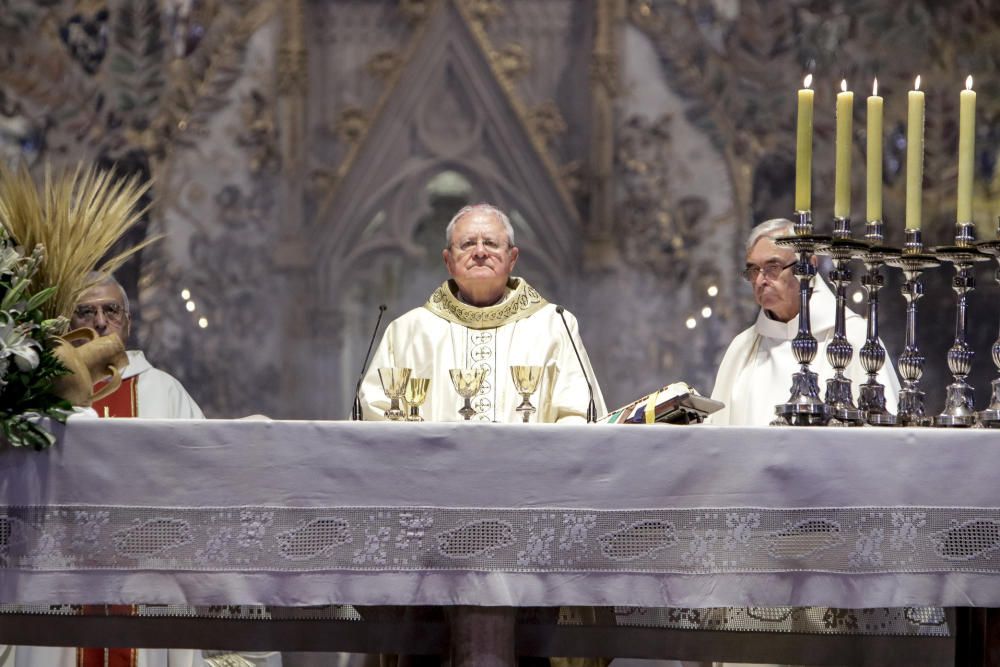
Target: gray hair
{"type": "Point", "coordinates": [485, 208]}
{"type": "Point", "coordinates": [98, 279]}
{"type": "Point", "coordinates": [770, 229]}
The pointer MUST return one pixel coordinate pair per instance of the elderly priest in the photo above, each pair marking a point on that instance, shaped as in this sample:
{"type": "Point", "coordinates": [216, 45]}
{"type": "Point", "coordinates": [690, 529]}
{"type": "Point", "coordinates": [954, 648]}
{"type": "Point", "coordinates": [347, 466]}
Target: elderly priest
{"type": "Point", "coordinates": [756, 371]}
{"type": "Point", "coordinates": [484, 318]}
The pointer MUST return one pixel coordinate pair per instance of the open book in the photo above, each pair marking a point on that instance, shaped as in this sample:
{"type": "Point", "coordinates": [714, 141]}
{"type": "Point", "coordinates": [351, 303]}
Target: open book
{"type": "Point", "coordinates": [677, 403]}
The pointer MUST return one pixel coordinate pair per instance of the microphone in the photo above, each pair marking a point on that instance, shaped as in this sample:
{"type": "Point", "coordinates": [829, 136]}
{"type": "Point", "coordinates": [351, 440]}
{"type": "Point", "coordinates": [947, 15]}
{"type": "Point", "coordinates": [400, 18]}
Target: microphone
{"type": "Point", "coordinates": [591, 407]}
{"type": "Point", "coordinates": [356, 410]}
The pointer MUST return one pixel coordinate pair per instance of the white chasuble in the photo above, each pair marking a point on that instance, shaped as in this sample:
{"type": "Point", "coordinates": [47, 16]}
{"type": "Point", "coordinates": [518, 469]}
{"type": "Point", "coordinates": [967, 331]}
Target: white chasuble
{"type": "Point", "coordinates": [756, 371]}
{"type": "Point", "coordinates": [159, 394]}
{"type": "Point", "coordinates": [521, 329]}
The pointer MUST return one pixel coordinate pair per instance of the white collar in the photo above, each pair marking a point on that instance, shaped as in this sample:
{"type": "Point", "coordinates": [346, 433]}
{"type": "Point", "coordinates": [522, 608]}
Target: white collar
{"type": "Point", "coordinates": [822, 314]}
{"type": "Point", "coordinates": [136, 364]}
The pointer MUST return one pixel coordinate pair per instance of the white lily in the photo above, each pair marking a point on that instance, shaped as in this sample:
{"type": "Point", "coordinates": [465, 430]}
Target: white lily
{"type": "Point", "coordinates": [9, 257]}
{"type": "Point", "coordinates": [15, 342]}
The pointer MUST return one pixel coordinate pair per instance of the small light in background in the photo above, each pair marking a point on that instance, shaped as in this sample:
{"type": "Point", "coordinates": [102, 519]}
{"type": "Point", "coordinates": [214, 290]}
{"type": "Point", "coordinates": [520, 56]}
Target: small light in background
{"type": "Point", "coordinates": [202, 322]}
{"type": "Point", "coordinates": [190, 306]}
{"type": "Point", "coordinates": [691, 323]}
{"type": "Point", "coordinates": [185, 294]}
{"type": "Point", "coordinates": [858, 297]}
{"type": "Point", "coordinates": [706, 312]}
{"type": "Point", "coordinates": [713, 290]}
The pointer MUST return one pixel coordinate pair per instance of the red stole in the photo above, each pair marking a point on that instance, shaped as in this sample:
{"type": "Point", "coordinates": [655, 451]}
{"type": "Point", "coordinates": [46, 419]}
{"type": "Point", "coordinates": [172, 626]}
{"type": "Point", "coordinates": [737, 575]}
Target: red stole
{"type": "Point", "coordinates": [123, 402]}
{"type": "Point", "coordinates": [107, 657]}
{"type": "Point", "coordinates": [120, 403]}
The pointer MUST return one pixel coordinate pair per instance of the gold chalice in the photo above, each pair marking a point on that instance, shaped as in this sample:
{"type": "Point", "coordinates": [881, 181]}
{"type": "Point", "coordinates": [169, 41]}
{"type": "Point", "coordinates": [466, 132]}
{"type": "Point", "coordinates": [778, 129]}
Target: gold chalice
{"type": "Point", "coordinates": [467, 382]}
{"type": "Point", "coordinates": [415, 395]}
{"type": "Point", "coordinates": [526, 380]}
{"type": "Point", "coordinates": [394, 385]}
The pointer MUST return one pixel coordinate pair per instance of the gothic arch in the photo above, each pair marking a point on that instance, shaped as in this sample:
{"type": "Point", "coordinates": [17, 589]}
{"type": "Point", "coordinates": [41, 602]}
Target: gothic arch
{"type": "Point", "coordinates": [449, 110]}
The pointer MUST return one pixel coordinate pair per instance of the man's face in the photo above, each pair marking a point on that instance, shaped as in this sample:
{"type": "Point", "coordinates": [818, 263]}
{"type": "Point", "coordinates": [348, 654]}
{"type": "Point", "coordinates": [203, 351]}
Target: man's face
{"type": "Point", "coordinates": [778, 295]}
{"type": "Point", "coordinates": [103, 310]}
{"type": "Point", "coordinates": [480, 257]}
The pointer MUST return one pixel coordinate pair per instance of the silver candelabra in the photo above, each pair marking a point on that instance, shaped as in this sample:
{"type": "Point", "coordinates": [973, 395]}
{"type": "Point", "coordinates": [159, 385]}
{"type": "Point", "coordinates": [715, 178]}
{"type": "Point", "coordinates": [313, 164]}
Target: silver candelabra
{"type": "Point", "coordinates": [913, 261]}
{"type": "Point", "coordinates": [959, 406]}
{"type": "Point", "coordinates": [839, 395]}
{"type": "Point", "coordinates": [871, 399]}
{"type": "Point", "coordinates": [990, 417]}
{"type": "Point", "coordinates": [804, 407]}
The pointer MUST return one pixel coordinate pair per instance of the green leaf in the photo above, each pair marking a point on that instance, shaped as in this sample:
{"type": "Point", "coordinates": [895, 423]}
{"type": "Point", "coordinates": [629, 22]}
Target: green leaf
{"type": "Point", "coordinates": [13, 295]}
{"type": "Point", "coordinates": [39, 298]}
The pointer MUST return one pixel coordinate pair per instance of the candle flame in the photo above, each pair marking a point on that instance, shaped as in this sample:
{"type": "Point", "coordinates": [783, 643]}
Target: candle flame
{"type": "Point", "coordinates": [968, 82]}
{"type": "Point", "coordinates": [843, 85]}
{"type": "Point", "coordinates": [875, 87]}
{"type": "Point", "coordinates": [916, 83]}
{"type": "Point", "coordinates": [807, 82]}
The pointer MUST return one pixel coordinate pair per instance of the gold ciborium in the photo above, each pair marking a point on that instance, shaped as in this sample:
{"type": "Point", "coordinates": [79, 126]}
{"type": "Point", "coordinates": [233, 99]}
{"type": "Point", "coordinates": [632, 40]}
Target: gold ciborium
{"type": "Point", "coordinates": [394, 385]}
{"type": "Point", "coordinates": [467, 382]}
{"type": "Point", "coordinates": [526, 380]}
{"type": "Point", "coordinates": [415, 395]}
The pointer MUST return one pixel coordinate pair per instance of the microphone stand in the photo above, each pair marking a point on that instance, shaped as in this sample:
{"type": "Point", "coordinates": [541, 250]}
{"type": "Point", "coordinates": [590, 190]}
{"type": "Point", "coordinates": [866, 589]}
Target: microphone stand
{"type": "Point", "coordinates": [591, 406]}
{"type": "Point", "coordinates": [356, 414]}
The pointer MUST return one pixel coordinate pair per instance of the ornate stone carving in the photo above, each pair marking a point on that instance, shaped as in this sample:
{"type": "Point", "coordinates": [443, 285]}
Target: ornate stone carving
{"type": "Point", "coordinates": [415, 11]}
{"type": "Point", "coordinates": [258, 134]}
{"type": "Point", "coordinates": [656, 231]}
{"type": "Point", "coordinates": [291, 70]}
{"type": "Point", "coordinates": [384, 64]}
{"type": "Point", "coordinates": [547, 123]}
{"type": "Point", "coordinates": [511, 61]}
{"type": "Point", "coordinates": [483, 11]}
{"type": "Point", "coordinates": [351, 125]}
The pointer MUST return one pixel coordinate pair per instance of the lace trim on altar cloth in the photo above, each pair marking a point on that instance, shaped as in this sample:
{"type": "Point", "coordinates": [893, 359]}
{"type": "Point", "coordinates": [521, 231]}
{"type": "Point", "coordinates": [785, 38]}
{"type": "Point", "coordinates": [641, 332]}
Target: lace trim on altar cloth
{"type": "Point", "coordinates": [687, 541]}
{"type": "Point", "coordinates": [919, 621]}
{"type": "Point", "coordinates": [908, 621]}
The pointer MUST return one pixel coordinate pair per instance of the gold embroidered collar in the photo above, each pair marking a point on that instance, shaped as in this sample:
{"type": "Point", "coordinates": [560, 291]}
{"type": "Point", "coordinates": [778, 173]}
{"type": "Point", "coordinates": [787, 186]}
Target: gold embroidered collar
{"type": "Point", "coordinates": [519, 301]}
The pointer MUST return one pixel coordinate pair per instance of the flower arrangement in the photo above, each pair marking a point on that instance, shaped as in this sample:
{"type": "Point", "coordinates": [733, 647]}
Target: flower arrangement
{"type": "Point", "coordinates": [27, 340]}
{"type": "Point", "coordinates": [70, 224]}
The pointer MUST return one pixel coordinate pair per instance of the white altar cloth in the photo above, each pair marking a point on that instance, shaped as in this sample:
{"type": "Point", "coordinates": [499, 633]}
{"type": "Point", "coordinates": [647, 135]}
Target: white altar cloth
{"type": "Point", "coordinates": [311, 513]}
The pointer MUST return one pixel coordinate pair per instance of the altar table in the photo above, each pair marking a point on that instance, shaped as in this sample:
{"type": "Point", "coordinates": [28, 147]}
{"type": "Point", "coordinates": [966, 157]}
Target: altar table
{"type": "Point", "coordinates": [314, 513]}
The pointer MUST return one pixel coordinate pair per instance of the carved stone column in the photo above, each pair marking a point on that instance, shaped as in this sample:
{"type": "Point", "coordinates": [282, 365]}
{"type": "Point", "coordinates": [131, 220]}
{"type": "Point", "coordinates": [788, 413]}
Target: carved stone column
{"type": "Point", "coordinates": [601, 250]}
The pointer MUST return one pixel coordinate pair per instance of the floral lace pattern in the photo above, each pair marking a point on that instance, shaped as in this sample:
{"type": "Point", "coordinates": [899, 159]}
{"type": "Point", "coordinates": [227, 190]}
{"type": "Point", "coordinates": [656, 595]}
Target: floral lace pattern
{"type": "Point", "coordinates": [907, 621]}
{"type": "Point", "coordinates": [691, 541]}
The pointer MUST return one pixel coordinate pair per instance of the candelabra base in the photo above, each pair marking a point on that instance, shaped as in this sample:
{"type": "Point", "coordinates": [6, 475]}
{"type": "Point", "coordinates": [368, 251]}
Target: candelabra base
{"type": "Point", "coordinates": [871, 402]}
{"type": "Point", "coordinates": [958, 410]}
{"type": "Point", "coordinates": [990, 417]}
{"type": "Point", "coordinates": [911, 408]}
{"type": "Point", "coordinates": [838, 400]}
{"type": "Point", "coordinates": [804, 408]}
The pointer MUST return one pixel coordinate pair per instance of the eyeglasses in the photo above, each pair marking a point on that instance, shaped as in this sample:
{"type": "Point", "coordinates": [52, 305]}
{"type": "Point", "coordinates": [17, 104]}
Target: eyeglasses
{"type": "Point", "coordinates": [113, 313]}
{"type": "Point", "coordinates": [491, 245]}
{"type": "Point", "coordinates": [771, 271]}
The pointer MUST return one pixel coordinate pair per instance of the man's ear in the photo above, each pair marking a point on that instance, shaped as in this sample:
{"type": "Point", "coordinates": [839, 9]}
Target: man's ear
{"type": "Point", "coordinates": [446, 256]}
{"type": "Point", "coordinates": [514, 252]}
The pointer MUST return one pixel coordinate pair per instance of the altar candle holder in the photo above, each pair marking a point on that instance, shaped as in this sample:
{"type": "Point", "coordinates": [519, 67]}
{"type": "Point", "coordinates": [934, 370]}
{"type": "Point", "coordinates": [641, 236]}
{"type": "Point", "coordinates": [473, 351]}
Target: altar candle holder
{"type": "Point", "coordinates": [959, 406]}
{"type": "Point", "coordinates": [913, 261]}
{"type": "Point", "coordinates": [990, 417]}
{"type": "Point", "coordinates": [871, 397]}
{"type": "Point", "coordinates": [839, 395]}
{"type": "Point", "coordinates": [804, 406]}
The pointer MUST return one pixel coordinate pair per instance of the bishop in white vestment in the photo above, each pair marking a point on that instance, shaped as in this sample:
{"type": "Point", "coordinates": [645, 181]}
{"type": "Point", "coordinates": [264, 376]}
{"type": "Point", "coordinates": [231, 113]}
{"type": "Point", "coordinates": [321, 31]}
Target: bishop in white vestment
{"type": "Point", "coordinates": [756, 371]}
{"type": "Point", "coordinates": [483, 318]}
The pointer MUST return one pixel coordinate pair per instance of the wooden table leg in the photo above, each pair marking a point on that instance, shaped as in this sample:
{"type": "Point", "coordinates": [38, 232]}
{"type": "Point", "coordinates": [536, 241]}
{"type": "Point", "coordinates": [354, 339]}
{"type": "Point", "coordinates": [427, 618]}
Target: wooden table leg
{"type": "Point", "coordinates": [482, 636]}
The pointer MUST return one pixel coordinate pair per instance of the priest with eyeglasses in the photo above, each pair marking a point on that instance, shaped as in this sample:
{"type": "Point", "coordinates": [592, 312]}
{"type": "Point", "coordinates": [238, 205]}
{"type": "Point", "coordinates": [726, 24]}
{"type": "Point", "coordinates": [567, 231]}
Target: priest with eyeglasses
{"type": "Point", "coordinates": [145, 391]}
{"type": "Point", "coordinates": [756, 371]}
{"type": "Point", "coordinates": [485, 318]}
